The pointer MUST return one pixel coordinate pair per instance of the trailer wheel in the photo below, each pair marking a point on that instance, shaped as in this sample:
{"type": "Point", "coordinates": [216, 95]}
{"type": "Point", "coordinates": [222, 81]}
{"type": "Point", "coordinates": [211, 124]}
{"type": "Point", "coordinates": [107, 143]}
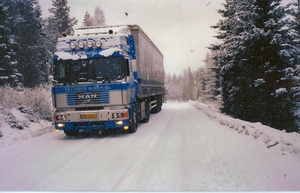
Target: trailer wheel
{"type": "Point", "coordinates": [134, 121]}
{"type": "Point", "coordinates": [147, 113]}
{"type": "Point", "coordinates": [158, 105]}
{"type": "Point", "coordinates": [71, 133]}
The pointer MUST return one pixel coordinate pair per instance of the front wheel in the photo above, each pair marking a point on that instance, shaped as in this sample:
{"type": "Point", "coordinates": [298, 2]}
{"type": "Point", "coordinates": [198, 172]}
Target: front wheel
{"type": "Point", "coordinates": [134, 120]}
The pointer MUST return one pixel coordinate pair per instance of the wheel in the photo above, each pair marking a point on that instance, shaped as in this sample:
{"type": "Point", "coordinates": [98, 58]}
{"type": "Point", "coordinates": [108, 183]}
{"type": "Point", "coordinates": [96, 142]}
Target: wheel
{"type": "Point", "coordinates": [71, 133]}
{"type": "Point", "coordinates": [134, 120]}
{"type": "Point", "coordinates": [147, 113]}
{"type": "Point", "coordinates": [158, 105]}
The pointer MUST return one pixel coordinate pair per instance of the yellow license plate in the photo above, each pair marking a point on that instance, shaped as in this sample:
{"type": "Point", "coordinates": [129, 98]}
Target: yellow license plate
{"type": "Point", "coordinates": [88, 116]}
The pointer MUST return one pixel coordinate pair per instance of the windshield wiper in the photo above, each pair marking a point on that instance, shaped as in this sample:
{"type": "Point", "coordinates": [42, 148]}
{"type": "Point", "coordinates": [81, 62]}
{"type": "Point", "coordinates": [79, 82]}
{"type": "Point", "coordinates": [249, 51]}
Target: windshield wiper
{"type": "Point", "coordinates": [81, 79]}
{"type": "Point", "coordinates": [103, 79]}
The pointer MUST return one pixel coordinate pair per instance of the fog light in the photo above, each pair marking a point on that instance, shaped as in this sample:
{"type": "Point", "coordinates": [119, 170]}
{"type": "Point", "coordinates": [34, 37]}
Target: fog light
{"type": "Point", "coordinates": [57, 130]}
{"type": "Point", "coordinates": [119, 122]}
{"type": "Point", "coordinates": [126, 128]}
{"type": "Point", "coordinates": [60, 125]}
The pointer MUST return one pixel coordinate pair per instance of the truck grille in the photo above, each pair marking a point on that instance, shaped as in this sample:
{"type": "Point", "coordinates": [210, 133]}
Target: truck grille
{"type": "Point", "coordinates": [83, 98]}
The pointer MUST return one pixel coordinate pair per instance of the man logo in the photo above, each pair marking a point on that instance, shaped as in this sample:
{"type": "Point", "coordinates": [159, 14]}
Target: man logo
{"type": "Point", "coordinates": [87, 96]}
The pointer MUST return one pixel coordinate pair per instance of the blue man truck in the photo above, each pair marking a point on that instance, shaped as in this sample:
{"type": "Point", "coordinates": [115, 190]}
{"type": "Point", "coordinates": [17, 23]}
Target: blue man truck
{"type": "Point", "coordinates": [109, 77]}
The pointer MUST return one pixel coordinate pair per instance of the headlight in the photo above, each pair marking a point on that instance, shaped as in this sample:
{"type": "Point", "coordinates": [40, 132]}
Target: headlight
{"type": "Point", "coordinates": [119, 122]}
{"type": "Point", "coordinates": [81, 45]}
{"type": "Point", "coordinates": [73, 45]}
{"type": "Point", "coordinates": [89, 44]}
{"type": "Point", "coordinates": [60, 125]}
{"type": "Point", "coordinates": [98, 43]}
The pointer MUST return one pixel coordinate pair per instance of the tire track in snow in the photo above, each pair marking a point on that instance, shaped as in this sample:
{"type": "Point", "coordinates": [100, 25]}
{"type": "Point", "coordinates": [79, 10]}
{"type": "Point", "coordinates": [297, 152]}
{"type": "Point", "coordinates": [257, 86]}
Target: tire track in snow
{"type": "Point", "coordinates": [146, 146]}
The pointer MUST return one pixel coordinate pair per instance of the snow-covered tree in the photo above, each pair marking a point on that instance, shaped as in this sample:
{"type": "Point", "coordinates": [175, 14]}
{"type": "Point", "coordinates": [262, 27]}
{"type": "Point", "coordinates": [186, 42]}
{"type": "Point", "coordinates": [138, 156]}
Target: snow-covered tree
{"type": "Point", "coordinates": [173, 87]}
{"type": "Point", "coordinates": [27, 37]}
{"type": "Point", "coordinates": [87, 20]}
{"type": "Point", "coordinates": [208, 82]}
{"type": "Point", "coordinates": [254, 56]}
{"type": "Point", "coordinates": [180, 87]}
{"type": "Point", "coordinates": [185, 85]}
{"type": "Point", "coordinates": [99, 18]}
{"type": "Point", "coordinates": [8, 73]}
{"type": "Point", "coordinates": [190, 84]}
{"type": "Point", "coordinates": [59, 21]}
{"type": "Point", "coordinates": [293, 10]}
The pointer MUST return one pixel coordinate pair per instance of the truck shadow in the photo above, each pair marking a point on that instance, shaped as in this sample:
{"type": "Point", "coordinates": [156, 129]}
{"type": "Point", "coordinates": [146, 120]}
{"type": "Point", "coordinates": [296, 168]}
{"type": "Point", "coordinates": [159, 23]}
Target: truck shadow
{"type": "Point", "coordinates": [97, 134]}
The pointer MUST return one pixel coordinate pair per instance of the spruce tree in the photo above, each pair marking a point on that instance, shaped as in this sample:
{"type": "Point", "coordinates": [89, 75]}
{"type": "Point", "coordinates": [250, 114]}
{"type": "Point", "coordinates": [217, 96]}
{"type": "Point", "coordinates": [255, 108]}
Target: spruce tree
{"type": "Point", "coordinates": [293, 10]}
{"type": "Point", "coordinates": [254, 57]}
{"type": "Point", "coordinates": [211, 81]}
{"type": "Point", "coordinates": [7, 75]}
{"type": "Point", "coordinates": [27, 37]}
{"type": "Point", "coordinates": [58, 23]}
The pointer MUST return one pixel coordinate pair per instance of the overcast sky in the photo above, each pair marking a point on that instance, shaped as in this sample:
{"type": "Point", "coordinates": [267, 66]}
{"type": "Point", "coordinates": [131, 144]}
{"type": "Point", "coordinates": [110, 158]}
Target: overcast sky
{"type": "Point", "coordinates": [180, 29]}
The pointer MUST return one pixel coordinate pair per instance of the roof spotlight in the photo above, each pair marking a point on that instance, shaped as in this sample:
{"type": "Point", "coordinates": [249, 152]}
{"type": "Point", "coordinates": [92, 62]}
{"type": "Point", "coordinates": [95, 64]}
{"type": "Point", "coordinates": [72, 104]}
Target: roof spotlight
{"type": "Point", "coordinates": [98, 43]}
{"type": "Point", "coordinates": [72, 45]}
{"type": "Point", "coordinates": [89, 44]}
{"type": "Point", "coordinates": [81, 44]}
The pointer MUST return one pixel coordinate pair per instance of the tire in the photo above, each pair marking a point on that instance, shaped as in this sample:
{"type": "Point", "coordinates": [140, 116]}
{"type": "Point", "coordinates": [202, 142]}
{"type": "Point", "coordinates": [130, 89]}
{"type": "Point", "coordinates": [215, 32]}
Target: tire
{"type": "Point", "coordinates": [71, 133]}
{"type": "Point", "coordinates": [134, 121]}
{"type": "Point", "coordinates": [158, 105]}
{"type": "Point", "coordinates": [147, 113]}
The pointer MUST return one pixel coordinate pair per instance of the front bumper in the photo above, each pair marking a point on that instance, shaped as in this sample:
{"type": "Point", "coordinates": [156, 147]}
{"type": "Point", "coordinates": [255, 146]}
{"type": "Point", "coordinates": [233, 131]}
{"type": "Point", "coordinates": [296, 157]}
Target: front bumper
{"type": "Point", "coordinates": [91, 120]}
{"type": "Point", "coordinates": [92, 125]}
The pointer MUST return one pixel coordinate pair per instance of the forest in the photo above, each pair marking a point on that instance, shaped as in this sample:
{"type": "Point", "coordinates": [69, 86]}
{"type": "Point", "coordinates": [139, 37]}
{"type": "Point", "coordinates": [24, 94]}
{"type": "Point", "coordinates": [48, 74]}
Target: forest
{"type": "Point", "coordinates": [251, 74]}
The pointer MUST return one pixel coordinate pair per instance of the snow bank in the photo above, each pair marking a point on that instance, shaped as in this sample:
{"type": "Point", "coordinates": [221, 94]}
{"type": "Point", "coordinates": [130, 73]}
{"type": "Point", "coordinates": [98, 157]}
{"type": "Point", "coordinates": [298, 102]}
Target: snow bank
{"type": "Point", "coordinates": [272, 138]}
{"type": "Point", "coordinates": [16, 126]}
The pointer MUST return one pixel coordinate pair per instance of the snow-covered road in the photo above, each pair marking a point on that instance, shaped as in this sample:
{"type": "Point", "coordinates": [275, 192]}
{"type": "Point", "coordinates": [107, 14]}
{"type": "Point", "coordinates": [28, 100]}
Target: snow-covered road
{"type": "Point", "coordinates": [179, 149]}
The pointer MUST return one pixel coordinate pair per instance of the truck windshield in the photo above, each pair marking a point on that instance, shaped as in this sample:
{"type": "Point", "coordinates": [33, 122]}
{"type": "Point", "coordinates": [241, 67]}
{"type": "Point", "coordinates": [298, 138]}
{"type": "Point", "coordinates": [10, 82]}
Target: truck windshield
{"type": "Point", "coordinates": [89, 70]}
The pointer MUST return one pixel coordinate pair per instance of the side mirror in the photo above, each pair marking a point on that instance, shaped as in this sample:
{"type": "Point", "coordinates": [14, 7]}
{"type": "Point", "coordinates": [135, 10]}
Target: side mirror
{"type": "Point", "coordinates": [51, 80]}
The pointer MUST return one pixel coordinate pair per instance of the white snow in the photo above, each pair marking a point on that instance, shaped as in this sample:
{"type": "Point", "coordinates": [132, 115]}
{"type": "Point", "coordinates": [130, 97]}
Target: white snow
{"type": "Point", "coordinates": [67, 55]}
{"type": "Point", "coordinates": [280, 91]}
{"type": "Point", "coordinates": [187, 146]}
{"type": "Point", "coordinates": [13, 135]}
{"type": "Point", "coordinates": [109, 51]}
{"type": "Point", "coordinates": [280, 140]}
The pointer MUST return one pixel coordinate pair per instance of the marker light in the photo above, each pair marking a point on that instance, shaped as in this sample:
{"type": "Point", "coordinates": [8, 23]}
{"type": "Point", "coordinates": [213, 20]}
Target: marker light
{"type": "Point", "coordinates": [72, 45]}
{"type": "Point", "coordinates": [81, 45]}
{"type": "Point", "coordinates": [98, 43]}
{"type": "Point", "coordinates": [89, 44]}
